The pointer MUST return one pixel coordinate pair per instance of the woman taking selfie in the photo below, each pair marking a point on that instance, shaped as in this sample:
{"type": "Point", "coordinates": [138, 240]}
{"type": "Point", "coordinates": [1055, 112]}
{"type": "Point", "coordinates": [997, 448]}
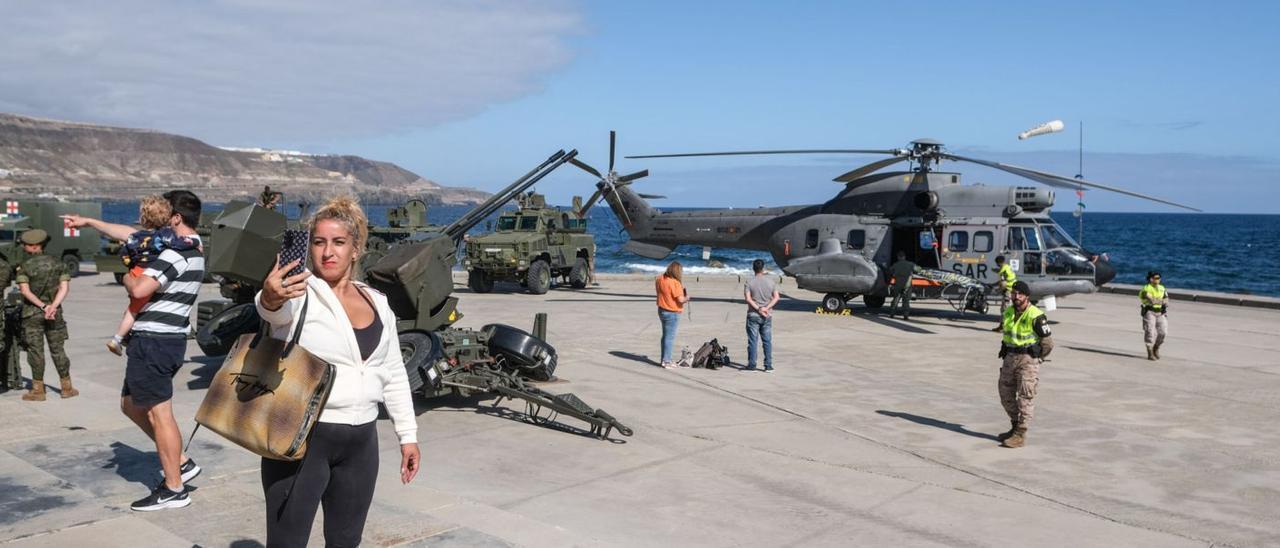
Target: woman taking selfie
{"type": "Point", "coordinates": [351, 326]}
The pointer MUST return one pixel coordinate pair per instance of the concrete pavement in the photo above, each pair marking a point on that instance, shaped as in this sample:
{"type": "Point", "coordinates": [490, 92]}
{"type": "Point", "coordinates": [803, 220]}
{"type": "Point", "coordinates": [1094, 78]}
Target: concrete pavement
{"type": "Point", "coordinates": [873, 431]}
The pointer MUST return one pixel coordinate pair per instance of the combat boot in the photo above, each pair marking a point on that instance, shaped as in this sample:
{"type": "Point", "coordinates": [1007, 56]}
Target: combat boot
{"type": "Point", "coordinates": [36, 393]}
{"type": "Point", "coordinates": [1018, 439]}
{"type": "Point", "coordinates": [1155, 351]}
{"type": "Point", "coordinates": [1013, 426]}
{"type": "Point", "coordinates": [68, 391]}
{"type": "Point", "coordinates": [1151, 353]}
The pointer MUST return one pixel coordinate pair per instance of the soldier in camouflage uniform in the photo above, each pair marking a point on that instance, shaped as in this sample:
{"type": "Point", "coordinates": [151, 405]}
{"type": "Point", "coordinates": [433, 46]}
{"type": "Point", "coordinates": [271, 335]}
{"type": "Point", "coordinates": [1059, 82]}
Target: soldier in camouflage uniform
{"type": "Point", "coordinates": [10, 371]}
{"type": "Point", "coordinates": [44, 282]}
{"type": "Point", "coordinates": [1027, 340]}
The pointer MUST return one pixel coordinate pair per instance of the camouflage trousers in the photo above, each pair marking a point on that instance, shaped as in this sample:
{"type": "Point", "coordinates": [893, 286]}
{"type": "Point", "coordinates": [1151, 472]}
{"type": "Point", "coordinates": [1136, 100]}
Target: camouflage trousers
{"type": "Point", "coordinates": [1154, 327]}
{"type": "Point", "coordinates": [1019, 376]}
{"type": "Point", "coordinates": [35, 330]}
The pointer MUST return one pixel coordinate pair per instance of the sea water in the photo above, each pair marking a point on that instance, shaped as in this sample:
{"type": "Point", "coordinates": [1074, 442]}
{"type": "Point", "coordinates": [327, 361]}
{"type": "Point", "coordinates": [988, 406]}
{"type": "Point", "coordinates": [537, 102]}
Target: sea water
{"type": "Point", "coordinates": [1214, 252]}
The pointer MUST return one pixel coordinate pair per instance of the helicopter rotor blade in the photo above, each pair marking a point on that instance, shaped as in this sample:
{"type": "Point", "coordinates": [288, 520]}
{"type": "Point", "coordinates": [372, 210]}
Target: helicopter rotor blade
{"type": "Point", "coordinates": [1059, 181]}
{"type": "Point", "coordinates": [590, 203]}
{"type": "Point", "coordinates": [869, 169]}
{"type": "Point", "coordinates": [613, 138]}
{"type": "Point", "coordinates": [586, 167]}
{"type": "Point", "coordinates": [651, 196]}
{"type": "Point", "coordinates": [637, 175]}
{"type": "Point", "coordinates": [894, 152]}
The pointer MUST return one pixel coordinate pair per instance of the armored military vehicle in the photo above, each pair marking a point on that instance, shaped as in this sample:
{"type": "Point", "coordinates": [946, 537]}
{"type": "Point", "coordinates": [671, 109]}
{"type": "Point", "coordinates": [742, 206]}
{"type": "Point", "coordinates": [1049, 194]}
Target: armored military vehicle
{"type": "Point", "coordinates": [532, 246]}
{"type": "Point", "coordinates": [403, 223]}
{"type": "Point", "coordinates": [416, 275]}
{"type": "Point", "coordinates": [69, 244]}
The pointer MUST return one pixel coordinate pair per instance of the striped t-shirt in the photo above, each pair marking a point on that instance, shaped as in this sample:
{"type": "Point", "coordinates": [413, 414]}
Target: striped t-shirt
{"type": "Point", "coordinates": [179, 274]}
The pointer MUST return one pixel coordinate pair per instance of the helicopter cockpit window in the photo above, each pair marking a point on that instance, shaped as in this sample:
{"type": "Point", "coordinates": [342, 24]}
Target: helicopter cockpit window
{"type": "Point", "coordinates": [811, 238]}
{"type": "Point", "coordinates": [1067, 261]}
{"type": "Point", "coordinates": [1023, 238]}
{"type": "Point", "coordinates": [857, 239]}
{"type": "Point", "coordinates": [506, 223]}
{"type": "Point", "coordinates": [958, 241]}
{"type": "Point", "coordinates": [1054, 237]}
{"type": "Point", "coordinates": [528, 223]}
{"type": "Point", "coordinates": [983, 241]}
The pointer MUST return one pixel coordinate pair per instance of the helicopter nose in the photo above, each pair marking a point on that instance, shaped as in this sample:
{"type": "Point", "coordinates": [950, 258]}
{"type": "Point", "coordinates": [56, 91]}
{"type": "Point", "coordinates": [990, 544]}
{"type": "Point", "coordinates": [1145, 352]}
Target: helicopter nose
{"type": "Point", "coordinates": [1103, 272]}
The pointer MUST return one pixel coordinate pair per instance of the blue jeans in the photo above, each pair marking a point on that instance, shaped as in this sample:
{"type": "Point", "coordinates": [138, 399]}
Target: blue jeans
{"type": "Point", "coordinates": [759, 327]}
{"type": "Point", "coordinates": [670, 320]}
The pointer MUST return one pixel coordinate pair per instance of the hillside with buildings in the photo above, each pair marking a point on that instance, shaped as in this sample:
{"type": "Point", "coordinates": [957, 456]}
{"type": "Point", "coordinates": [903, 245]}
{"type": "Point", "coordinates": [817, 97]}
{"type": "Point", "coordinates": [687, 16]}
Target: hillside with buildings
{"type": "Point", "coordinates": [48, 158]}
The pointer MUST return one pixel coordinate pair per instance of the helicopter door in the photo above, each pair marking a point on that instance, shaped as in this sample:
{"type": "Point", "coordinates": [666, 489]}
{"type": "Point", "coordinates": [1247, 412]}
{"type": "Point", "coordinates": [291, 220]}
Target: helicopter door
{"type": "Point", "coordinates": [1024, 247]}
{"type": "Point", "coordinates": [966, 251]}
{"type": "Point", "coordinates": [919, 243]}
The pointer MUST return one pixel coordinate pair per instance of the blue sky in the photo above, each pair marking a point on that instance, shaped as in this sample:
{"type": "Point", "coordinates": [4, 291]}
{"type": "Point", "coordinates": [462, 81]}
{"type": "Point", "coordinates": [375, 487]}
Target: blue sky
{"type": "Point", "coordinates": [1157, 85]}
{"type": "Point", "coordinates": [1178, 99]}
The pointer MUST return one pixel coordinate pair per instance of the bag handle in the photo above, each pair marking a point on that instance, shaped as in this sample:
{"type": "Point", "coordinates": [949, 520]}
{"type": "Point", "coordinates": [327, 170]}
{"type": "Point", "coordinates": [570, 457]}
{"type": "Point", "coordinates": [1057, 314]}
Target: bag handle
{"type": "Point", "coordinates": [297, 330]}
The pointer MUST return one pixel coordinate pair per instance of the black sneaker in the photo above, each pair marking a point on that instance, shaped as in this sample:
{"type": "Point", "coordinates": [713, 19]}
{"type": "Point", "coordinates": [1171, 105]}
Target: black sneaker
{"type": "Point", "coordinates": [161, 498]}
{"type": "Point", "coordinates": [189, 470]}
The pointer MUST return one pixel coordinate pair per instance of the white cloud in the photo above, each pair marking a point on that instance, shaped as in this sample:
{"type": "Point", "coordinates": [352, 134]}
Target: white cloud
{"type": "Point", "coordinates": [260, 72]}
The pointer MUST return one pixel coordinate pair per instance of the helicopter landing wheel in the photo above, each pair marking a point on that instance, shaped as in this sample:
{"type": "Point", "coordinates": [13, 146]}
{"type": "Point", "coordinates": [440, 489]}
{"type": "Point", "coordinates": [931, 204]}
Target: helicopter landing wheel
{"type": "Point", "coordinates": [873, 302]}
{"type": "Point", "coordinates": [833, 302]}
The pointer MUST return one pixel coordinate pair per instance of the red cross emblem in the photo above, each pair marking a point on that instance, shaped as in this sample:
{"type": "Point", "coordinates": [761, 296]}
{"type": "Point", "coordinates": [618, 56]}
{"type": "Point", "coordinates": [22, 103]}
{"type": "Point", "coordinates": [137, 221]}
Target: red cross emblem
{"type": "Point", "coordinates": [68, 230]}
{"type": "Point", "coordinates": [11, 208]}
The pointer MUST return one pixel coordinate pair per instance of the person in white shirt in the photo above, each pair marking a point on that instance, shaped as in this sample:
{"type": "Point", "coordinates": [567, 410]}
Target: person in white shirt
{"type": "Point", "coordinates": [351, 326]}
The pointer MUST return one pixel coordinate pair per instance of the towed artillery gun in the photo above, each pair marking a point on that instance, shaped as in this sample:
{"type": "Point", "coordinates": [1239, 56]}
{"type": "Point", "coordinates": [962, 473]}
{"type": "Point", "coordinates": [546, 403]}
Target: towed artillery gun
{"type": "Point", "coordinates": [532, 246]}
{"type": "Point", "coordinates": [417, 277]}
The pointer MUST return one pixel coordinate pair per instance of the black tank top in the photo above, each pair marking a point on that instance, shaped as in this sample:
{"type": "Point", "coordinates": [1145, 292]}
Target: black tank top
{"type": "Point", "coordinates": [367, 337]}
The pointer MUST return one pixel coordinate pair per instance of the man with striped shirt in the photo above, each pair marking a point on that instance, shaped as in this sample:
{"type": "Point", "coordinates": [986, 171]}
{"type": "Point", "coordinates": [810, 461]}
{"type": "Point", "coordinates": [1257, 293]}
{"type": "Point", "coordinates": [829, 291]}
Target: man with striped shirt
{"type": "Point", "coordinates": [158, 345]}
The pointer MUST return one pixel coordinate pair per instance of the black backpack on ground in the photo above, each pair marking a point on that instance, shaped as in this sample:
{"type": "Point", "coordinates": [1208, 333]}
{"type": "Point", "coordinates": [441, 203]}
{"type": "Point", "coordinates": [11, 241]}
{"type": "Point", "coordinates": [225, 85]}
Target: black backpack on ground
{"type": "Point", "coordinates": [711, 355]}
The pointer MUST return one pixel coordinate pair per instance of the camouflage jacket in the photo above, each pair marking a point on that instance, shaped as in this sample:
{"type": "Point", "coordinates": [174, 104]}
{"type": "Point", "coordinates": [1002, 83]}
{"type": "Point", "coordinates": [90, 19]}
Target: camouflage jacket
{"type": "Point", "coordinates": [42, 273]}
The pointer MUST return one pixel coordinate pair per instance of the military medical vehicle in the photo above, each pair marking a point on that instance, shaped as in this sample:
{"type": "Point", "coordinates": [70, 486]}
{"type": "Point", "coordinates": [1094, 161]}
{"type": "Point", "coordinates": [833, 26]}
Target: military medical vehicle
{"type": "Point", "coordinates": [70, 244]}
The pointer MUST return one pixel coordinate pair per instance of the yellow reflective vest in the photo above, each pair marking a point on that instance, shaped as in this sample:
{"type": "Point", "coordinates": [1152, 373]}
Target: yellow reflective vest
{"type": "Point", "coordinates": [1019, 329]}
{"type": "Point", "coordinates": [1152, 296]}
{"type": "Point", "coordinates": [1007, 276]}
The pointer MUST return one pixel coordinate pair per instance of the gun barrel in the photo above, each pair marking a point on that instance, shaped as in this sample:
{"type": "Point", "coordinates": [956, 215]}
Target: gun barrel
{"type": "Point", "coordinates": [477, 214]}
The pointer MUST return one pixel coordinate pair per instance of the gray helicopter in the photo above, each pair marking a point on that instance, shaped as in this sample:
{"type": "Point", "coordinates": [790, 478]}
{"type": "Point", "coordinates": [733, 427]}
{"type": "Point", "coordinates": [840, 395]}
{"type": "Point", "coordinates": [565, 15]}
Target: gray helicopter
{"type": "Point", "coordinates": [843, 247]}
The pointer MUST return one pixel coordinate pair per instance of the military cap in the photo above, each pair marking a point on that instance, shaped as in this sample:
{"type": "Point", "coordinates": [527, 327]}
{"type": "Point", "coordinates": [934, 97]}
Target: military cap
{"type": "Point", "coordinates": [1022, 287]}
{"type": "Point", "coordinates": [34, 236]}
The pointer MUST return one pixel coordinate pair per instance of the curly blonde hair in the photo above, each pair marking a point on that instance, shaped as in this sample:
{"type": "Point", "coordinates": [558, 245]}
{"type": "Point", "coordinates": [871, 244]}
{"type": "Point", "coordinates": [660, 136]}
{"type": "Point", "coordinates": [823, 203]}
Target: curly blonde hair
{"type": "Point", "coordinates": [347, 211]}
{"type": "Point", "coordinates": [154, 212]}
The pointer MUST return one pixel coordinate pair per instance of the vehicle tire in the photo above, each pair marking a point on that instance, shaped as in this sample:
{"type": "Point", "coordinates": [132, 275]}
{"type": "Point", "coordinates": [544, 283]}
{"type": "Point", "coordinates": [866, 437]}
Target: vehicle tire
{"type": "Point", "coordinates": [833, 302]}
{"type": "Point", "coordinates": [578, 276]}
{"type": "Point", "coordinates": [420, 352]}
{"type": "Point", "coordinates": [119, 278]}
{"type": "Point", "coordinates": [538, 277]}
{"type": "Point", "coordinates": [479, 281]}
{"type": "Point", "coordinates": [71, 262]}
{"type": "Point", "coordinates": [217, 336]}
{"type": "Point", "coordinates": [873, 302]}
{"type": "Point", "coordinates": [530, 356]}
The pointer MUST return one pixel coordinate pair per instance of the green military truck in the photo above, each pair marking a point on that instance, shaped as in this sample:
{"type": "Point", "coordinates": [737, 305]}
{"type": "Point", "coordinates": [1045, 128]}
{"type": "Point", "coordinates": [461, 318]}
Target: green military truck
{"type": "Point", "coordinates": [70, 244]}
{"type": "Point", "coordinates": [532, 246]}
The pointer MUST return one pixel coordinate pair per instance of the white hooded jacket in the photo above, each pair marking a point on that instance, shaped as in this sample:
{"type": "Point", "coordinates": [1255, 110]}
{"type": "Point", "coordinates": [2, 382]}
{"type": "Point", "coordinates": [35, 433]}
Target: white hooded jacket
{"type": "Point", "coordinates": [359, 385]}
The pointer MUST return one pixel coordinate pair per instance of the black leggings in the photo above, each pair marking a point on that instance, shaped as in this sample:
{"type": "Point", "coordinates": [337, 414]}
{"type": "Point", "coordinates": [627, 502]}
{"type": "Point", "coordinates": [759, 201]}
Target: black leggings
{"type": "Point", "coordinates": [338, 471]}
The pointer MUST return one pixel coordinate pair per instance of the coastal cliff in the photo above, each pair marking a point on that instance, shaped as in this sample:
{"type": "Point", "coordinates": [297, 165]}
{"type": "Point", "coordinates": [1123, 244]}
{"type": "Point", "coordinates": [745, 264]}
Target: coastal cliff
{"type": "Point", "coordinates": [47, 158]}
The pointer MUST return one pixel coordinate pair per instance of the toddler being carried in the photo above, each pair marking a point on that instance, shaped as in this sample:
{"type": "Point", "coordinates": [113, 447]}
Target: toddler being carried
{"type": "Point", "coordinates": [138, 252]}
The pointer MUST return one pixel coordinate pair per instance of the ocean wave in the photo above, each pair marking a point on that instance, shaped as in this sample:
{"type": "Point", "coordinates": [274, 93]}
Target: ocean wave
{"type": "Point", "coordinates": [709, 270]}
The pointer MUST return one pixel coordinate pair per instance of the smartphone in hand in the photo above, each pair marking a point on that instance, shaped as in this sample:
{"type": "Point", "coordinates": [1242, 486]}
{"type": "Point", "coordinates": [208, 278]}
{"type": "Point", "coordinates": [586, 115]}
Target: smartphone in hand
{"type": "Point", "coordinates": [294, 246]}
